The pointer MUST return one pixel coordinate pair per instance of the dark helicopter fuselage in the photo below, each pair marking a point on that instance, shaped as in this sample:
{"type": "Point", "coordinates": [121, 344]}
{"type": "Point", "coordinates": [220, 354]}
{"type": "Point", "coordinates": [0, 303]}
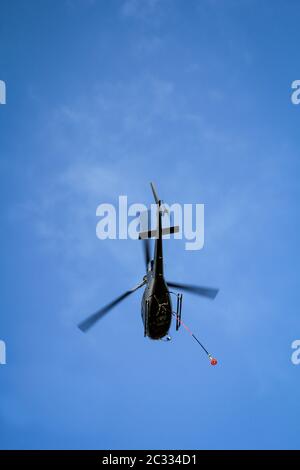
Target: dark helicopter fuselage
{"type": "Point", "coordinates": [156, 301]}
{"type": "Point", "coordinates": [156, 307]}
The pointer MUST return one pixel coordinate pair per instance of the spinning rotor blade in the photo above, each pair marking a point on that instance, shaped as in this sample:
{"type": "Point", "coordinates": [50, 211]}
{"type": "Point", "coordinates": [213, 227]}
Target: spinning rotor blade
{"type": "Point", "coordinates": [146, 247]}
{"type": "Point", "coordinates": [203, 291]}
{"type": "Point", "coordinates": [92, 319]}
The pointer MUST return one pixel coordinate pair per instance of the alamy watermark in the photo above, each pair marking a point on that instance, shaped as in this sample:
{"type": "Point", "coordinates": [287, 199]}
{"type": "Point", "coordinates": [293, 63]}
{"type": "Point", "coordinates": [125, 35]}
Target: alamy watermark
{"type": "Point", "coordinates": [295, 97]}
{"type": "Point", "coordinates": [295, 357]}
{"type": "Point", "coordinates": [126, 221]}
{"type": "Point", "coordinates": [2, 352]}
{"type": "Point", "coordinates": [2, 92]}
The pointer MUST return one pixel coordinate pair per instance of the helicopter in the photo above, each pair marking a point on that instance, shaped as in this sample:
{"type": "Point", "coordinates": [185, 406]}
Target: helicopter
{"type": "Point", "coordinates": [156, 306]}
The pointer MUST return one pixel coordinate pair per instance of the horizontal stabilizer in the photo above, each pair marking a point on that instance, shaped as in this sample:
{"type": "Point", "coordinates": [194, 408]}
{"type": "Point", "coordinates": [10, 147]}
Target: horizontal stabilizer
{"type": "Point", "coordinates": [154, 233]}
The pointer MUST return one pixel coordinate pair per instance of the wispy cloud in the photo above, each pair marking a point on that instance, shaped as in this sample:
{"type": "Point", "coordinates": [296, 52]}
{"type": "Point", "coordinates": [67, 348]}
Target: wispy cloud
{"type": "Point", "coordinates": [140, 9]}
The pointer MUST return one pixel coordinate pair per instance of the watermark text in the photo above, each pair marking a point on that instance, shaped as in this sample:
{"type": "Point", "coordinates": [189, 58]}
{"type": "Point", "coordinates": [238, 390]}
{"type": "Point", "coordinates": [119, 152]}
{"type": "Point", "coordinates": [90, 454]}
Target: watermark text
{"type": "Point", "coordinates": [295, 97]}
{"type": "Point", "coordinates": [126, 221]}
{"type": "Point", "coordinates": [2, 352]}
{"type": "Point", "coordinates": [295, 358]}
{"type": "Point", "coordinates": [2, 92]}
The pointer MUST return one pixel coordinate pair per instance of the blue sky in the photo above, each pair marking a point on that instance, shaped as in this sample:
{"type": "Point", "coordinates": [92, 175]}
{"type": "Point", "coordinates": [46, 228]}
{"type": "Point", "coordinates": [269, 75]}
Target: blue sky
{"type": "Point", "coordinates": [103, 97]}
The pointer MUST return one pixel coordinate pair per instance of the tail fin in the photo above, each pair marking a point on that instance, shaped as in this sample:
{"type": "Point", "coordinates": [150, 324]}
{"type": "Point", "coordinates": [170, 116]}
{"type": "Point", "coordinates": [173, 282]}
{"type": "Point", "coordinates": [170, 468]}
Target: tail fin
{"type": "Point", "coordinates": [157, 200]}
{"type": "Point", "coordinates": [159, 231]}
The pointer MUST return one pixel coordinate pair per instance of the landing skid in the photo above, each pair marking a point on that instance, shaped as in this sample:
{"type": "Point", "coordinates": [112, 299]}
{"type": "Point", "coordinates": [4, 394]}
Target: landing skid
{"type": "Point", "coordinates": [177, 314]}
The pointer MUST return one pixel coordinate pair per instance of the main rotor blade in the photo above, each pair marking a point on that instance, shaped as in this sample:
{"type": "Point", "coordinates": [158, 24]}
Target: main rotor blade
{"type": "Point", "coordinates": [92, 319]}
{"type": "Point", "coordinates": [203, 291]}
{"type": "Point", "coordinates": [146, 247]}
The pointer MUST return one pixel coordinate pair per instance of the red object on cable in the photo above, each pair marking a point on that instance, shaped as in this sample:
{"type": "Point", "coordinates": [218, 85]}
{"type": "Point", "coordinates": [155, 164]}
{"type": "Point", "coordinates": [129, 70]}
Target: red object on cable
{"type": "Point", "coordinates": [213, 361]}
